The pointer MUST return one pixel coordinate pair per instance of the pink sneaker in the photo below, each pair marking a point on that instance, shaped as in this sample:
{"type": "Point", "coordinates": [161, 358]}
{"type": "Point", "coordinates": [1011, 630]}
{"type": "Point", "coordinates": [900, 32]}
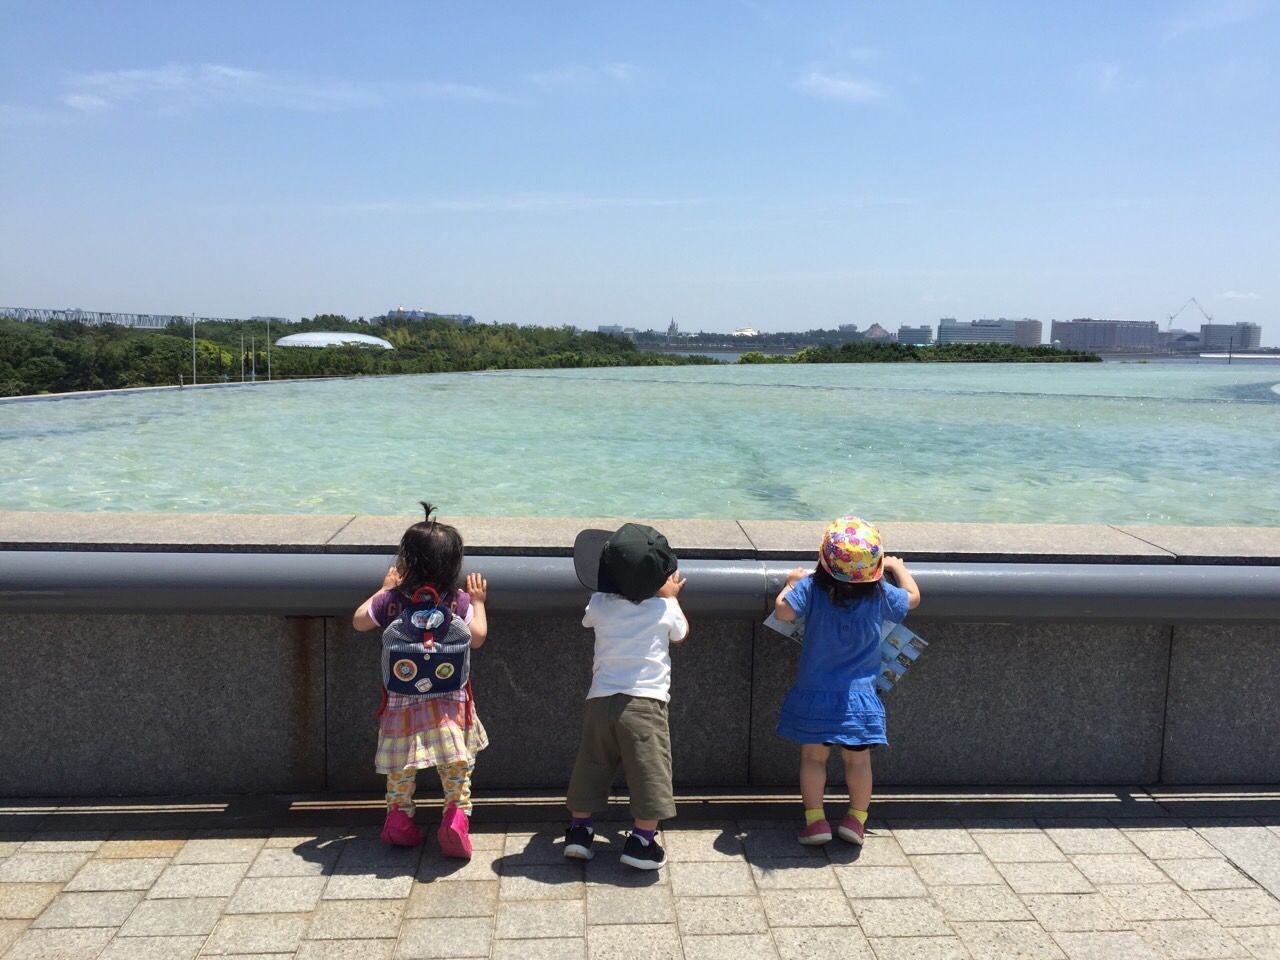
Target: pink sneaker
{"type": "Point", "coordinates": [852, 830]}
{"type": "Point", "coordinates": [815, 834]}
{"type": "Point", "coordinates": [455, 833]}
{"type": "Point", "coordinates": [399, 830]}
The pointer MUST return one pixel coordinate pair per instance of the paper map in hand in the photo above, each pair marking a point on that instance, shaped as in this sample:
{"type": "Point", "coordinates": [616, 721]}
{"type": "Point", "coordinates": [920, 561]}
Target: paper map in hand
{"type": "Point", "coordinates": [899, 648]}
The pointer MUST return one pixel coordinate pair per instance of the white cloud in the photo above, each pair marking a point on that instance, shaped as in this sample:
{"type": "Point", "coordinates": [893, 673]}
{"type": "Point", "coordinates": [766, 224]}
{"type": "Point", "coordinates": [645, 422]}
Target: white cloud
{"type": "Point", "coordinates": [1238, 295]}
{"type": "Point", "coordinates": [1209, 14]}
{"type": "Point", "coordinates": [578, 75]}
{"type": "Point", "coordinates": [178, 87]}
{"type": "Point", "coordinates": [826, 86]}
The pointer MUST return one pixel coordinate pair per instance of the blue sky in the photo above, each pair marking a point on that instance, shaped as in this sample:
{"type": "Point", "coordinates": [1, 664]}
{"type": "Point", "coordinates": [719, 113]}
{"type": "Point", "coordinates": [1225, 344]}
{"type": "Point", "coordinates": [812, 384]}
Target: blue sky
{"type": "Point", "coordinates": [779, 165]}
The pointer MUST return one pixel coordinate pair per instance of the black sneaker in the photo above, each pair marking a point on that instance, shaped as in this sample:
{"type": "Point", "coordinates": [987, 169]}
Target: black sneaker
{"type": "Point", "coordinates": [643, 856]}
{"type": "Point", "coordinates": [577, 843]}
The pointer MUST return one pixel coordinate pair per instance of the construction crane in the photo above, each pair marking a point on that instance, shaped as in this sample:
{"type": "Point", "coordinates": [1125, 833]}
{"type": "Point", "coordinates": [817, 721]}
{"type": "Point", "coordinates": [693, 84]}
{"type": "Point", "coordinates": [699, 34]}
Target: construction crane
{"type": "Point", "coordinates": [1174, 316]}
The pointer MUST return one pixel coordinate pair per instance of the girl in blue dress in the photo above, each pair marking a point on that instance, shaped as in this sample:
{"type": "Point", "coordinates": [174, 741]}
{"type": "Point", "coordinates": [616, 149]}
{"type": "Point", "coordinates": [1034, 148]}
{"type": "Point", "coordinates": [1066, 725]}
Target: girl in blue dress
{"type": "Point", "coordinates": [833, 702]}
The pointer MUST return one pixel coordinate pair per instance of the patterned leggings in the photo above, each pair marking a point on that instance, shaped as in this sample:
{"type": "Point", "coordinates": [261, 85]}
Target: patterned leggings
{"type": "Point", "coordinates": [455, 781]}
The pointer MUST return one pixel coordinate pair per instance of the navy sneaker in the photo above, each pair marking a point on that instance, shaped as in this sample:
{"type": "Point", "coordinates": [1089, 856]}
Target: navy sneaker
{"type": "Point", "coordinates": [577, 843]}
{"type": "Point", "coordinates": [643, 856]}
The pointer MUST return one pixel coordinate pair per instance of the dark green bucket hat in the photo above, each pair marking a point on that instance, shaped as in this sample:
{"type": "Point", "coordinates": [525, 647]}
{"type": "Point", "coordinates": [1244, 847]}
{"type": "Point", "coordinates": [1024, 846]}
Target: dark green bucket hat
{"type": "Point", "coordinates": [633, 561]}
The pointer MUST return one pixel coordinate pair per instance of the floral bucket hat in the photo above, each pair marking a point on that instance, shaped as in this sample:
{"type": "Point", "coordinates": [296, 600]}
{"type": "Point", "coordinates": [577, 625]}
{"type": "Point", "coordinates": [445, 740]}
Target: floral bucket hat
{"type": "Point", "coordinates": [851, 551]}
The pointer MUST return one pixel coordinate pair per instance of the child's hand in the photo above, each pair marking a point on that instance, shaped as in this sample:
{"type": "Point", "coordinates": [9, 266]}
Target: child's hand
{"type": "Point", "coordinates": [675, 583]}
{"type": "Point", "coordinates": [392, 579]}
{"type": "Point", "coordinates": [477, 587]}
{"type": "Point", "coordinates": [796, 575]}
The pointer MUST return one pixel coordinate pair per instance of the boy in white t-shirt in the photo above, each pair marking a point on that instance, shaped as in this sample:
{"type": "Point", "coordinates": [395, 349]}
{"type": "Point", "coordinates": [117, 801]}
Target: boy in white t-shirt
{"type": "Point", "coordinates": [636, 617]}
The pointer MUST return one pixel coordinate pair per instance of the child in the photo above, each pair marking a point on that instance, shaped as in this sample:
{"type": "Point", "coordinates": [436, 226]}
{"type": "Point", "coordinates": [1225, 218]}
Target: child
{"type": "Point", "coordinates": [834, 701]}
{"type": "Point", "coordinates": [419, 730]}
{"type": "Point", "coordinates": [636, 617]}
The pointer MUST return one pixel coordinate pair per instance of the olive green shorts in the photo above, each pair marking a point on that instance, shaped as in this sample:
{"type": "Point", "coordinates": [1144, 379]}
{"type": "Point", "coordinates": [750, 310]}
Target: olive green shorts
{"type": "Point", "coordinates": [633, 731]}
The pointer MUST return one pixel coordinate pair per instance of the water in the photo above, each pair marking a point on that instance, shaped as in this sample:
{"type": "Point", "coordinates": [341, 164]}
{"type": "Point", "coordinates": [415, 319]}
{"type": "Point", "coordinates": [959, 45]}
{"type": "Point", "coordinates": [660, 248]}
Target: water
{"type": "Point", "coordinates": [1164, 443]}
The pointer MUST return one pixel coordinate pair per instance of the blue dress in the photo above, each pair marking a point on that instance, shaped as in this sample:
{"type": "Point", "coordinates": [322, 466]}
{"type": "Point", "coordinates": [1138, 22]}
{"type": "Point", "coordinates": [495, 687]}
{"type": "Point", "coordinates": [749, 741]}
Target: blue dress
{"type": "Point", "coordinates": [833, 699]}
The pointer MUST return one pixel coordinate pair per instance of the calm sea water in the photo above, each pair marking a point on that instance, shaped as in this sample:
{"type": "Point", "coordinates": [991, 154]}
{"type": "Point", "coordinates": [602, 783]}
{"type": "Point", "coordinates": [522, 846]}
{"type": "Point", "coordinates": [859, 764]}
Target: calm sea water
{"type": "Point", "coordinates": [1166, 443]}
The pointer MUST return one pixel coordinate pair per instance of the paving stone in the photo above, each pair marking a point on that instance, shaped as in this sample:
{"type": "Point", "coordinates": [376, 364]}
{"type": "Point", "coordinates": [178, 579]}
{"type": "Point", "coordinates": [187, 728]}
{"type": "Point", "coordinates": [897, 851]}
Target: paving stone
{"type": "Point", "coordinates": [1008, 941]}
{"type": "Point", "coordinates": [771, 844]}
{"type": "Point", "coordinates": [169, 918]}
{"type": "Point", "coordinates": [710, 879]}
{"type": "Point", "coordinates": [198, 880]}
{"type": "Point", "coordinates": [1044, 878]}
{"type": "Point", "coordinates": [41, 867]}
{"type": "Point", "coordinates": [535, 919]}
{"type": "Point", "coordinates": [63, 841]}
{"type": "Point", "coordinates": [609, 872]}
{"type": "Point", "coordinates": [277, 895]}
{"type": "Point", "coordinates": [562, 881]}
{"type": "Point", "coordinates": [89, 909]}
{"type": "Point", "coordinates": [1105, 945]}
{"type": "Point", "coordinates": [1205, 874]}
{"type": "Point", "coordinates": [483, 865]}
{"type": "Point", "coordinates": [729, 947]}
{"type": "Point", "coordinates": [141, 844]}
{"type": "Point", "coordinates": [1176, 842]}
{"type": "Point", "coordinates": [900, 918]}
{"type": "Point", "coordinates": [874, 852]}
{"type": "Point", "coordinates": [821, 943]}
{"type": "Point", "coordinates": [633, 942]}
{"type": "Point", "coordinates": [257, 933]}
{"type": "Point", "coordinates": [1240, 908]}
{"type": "Point", "coordinates": [862, 882]}
{"type": "Point", "coordinates": [66, 944]}
{"type": "Point", "coordinates": [1152, 901]}
{"type": "Point", "coordinates": [287, 837]}
{"type": "Point", "coordinates": [1118, 868]}
{"type": "Point", "coordinates": [708, 915]}
{"type": "Point", "coordinates": [1020, 847]}
{"type": "Point", "coordinates": [804, 908]}
{"type": "Point", "coordinates": [954, 868]}
{"type": "Point", "coordinates": [539, 848]}
{"type": "Point", "coordinates": [561, 949]}
{"type": "Point", "coordinates": [918, 948]}
{"type": "Point", "coordinates": [356, 920]}
{"type": "Point", "coordinates": [10, 931]}
{"type": "Point", "coordinates": [370, 883]}
{"type": "Point", "coordinates": [152, 948]}
{"type": "Point", "coordinates": [220, 848]}
{"type": "Point", "coordinates": [1097, 836]}
{"type": "Point", "coordinates": [979, 903]}
{"type": "Point", "coordinates": [346, 950]}
{"type": "Point", "coordinates": [1190, 940]}
{"type": "Point", "coordinates": [714, 845]}
{"type": "Point", "coordinates": [24, 901]}
{"type": "Point", "coordinates": [792, 873]}
{"type": "Point", "coordinates": [933, 836]}
{"type": "Point", "coordinates": [286, 862]}
{"type": "Point", "coordinates": [1074, 912]}
{"type": "Point", "coordinates": [471, 898]}
{"type": "Point", "coordinates": [609, 905]}
{"type": "Point", "coordinates": [118, 874]}
{"type": "Point", "coordinates": [1262, 942]}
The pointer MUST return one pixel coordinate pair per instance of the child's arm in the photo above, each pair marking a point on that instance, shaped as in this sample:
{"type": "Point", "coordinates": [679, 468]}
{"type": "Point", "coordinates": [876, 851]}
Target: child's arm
{"type": "Point", "coordinates": [782, 609]}
{"type": "Point", "coordinates": [478, 591]}
{"type": "Point", "coordinates": [903, 578]}
{"type": "Point", "coordinates": [361, 619]}
{"type": "Point", "coordinates": [670, 591]}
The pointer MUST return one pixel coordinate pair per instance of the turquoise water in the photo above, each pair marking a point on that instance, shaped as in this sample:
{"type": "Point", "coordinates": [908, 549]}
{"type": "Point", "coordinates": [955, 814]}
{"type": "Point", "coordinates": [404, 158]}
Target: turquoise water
{"type": "Point", "coordinates": [1164, 443]}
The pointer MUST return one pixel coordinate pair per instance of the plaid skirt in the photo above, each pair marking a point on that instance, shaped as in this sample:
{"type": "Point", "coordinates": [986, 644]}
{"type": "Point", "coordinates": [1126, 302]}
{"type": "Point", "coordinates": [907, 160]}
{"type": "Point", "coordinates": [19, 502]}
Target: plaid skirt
{"type": "Point", "coordinates": [427, 734]}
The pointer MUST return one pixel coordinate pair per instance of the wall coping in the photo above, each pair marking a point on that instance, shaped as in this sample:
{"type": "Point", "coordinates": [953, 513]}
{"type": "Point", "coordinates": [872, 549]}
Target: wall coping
{"type": "Point", "coordinates": [691, 538]}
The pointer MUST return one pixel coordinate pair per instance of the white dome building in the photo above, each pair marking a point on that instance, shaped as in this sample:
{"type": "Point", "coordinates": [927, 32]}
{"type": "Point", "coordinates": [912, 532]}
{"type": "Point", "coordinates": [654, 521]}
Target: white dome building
{"type": "Point", "coordinates": [319, 339]}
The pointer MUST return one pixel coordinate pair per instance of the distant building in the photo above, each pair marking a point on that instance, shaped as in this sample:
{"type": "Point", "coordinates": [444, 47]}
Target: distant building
{"type": "Point", "coordinates": [609, 329]}
{"type": "Point", "coordinates": [1107, 335]}
{"type": "Point", "coordinates": [630, 333]}
{"type": "Point", "coordinates": [1022, 333]}
{"type": "Point", "coordinates": [400, 313]}
{"type": "Point", "coordinates": [1177, 341]}
{"type": "Point", "coordinates": [878, 333]}
{"type": "Point", "coordinates": [316, 338]}
{"type": "Point", "coordinates": [745, 332]}
{"type": "Point", "coordinates": [1230, 336]}
{"type": "Point", "coordinates": [920, 336]}
{"type": "Point", "coordinates": [673, 331]}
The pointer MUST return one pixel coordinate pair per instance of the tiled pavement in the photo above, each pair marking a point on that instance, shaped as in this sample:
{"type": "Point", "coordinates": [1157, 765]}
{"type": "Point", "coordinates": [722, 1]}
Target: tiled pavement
{"type": "Point", "coordinates": [1112, 876]}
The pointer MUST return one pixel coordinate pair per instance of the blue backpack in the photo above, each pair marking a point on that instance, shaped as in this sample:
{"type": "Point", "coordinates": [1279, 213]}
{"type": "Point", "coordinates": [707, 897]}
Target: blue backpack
{"type": "Point", "coordinates": [426, 649]}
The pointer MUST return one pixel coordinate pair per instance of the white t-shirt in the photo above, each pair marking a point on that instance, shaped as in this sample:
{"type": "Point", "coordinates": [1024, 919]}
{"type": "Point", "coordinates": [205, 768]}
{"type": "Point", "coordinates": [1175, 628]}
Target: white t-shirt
{"type": "Point", "coordinates": [632, 645]}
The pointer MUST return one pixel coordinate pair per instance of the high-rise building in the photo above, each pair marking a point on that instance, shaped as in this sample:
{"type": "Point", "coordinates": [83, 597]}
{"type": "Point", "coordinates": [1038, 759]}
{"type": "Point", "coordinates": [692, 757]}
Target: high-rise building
{"type": "Point", "coordinates": [1022, 333]}
{"type": "Point", "coordinates": [1230, 336]}
{"type": "Point", "coordinates": [920, 336]}
{"type": "Point", "coordinates": [1085, 333]}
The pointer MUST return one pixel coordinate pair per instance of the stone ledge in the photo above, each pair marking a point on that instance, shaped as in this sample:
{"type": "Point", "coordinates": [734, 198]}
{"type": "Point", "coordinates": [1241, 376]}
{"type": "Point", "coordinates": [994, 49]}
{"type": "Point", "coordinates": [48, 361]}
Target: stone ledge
{"type": "Point", "coordinates": [692, 539]}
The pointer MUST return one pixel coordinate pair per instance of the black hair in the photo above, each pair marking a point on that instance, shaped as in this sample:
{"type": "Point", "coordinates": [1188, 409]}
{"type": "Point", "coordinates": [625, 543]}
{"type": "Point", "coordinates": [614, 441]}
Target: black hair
{"type": "Point", "coordinates": [840, 592]}
{"type": "Point", "coordinates": [431, 554]}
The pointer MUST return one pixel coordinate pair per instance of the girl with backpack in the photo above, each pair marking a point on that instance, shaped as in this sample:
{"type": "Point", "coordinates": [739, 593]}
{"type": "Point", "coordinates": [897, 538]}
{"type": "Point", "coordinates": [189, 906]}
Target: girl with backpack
{"type": "Point", "coordinates": [428, 716]}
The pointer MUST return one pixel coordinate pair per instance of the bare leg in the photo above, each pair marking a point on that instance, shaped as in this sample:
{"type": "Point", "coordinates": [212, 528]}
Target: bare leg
{"type": "Point", "coordinates": [646, 824]}
{"type": "Point", "coordinates": [813, 774]}
{"type": "Point", "coordinates": [857, 776]}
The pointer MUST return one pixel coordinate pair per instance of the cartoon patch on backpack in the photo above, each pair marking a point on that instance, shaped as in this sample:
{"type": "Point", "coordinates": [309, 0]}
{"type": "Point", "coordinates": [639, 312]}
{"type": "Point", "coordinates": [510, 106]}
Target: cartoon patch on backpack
{"type": "Point", "coordinates": [426, 648]}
